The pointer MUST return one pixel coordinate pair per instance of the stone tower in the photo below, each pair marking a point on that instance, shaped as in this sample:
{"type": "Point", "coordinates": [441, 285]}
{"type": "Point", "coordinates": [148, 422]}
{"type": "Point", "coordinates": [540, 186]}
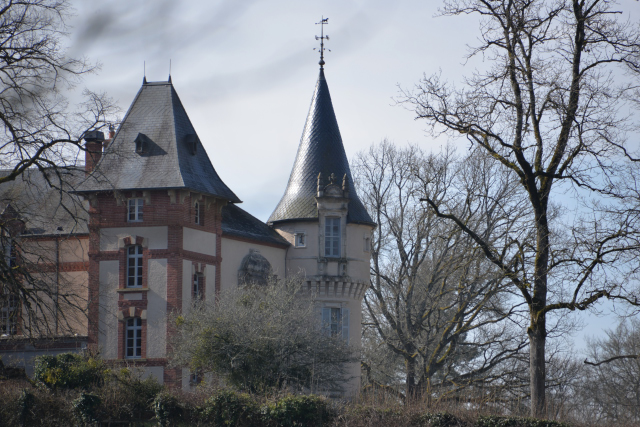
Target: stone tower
{"type": "Point", "coordinates": [321, 215]}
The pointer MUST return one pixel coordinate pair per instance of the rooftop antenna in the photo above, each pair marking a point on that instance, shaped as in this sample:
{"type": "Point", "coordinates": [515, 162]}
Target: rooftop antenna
{"type": "Point", "coordinates": [169, 70]}
{"type": "Point", "coordinates": [323, 21]}
{"type": "Point", "coordinates": [144, 71]}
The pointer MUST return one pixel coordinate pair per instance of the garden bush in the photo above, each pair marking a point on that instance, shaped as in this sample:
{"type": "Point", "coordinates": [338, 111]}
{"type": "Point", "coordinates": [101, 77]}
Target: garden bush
{"type": "Point", "coordinates": [128, 397]}
{"type": "Point", "coordinates": [438, 419]}
{"type": "Point", "coordinates": [69, 371]}
{"type": "Point", "coordinates": [497, 421]}
{"type": "Point", "coordinates": [86, 408]}
{"type": "Point", "coordinates": [167, 408]}
{"type": "Point", "coordinates": [298, 410]}
{"type": "Point", "coordinates": [231, 408]}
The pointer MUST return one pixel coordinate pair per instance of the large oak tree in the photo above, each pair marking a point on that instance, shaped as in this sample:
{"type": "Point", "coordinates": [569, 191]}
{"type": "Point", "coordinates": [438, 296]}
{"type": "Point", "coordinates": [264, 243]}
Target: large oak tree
{"type": "Point", "coordinates": [554, 102]}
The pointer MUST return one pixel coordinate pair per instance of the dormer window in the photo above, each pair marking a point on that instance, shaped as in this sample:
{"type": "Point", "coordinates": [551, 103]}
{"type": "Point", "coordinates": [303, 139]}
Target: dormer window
{"type": "Point", "coordinates": [140, 143]}
{"type": "Point", "coordinates": [192, 142]}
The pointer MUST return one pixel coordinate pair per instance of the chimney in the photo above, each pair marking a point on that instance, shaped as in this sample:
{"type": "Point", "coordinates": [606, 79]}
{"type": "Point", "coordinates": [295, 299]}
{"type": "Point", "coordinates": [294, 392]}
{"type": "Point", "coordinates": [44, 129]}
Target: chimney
{"type": "Point", "coordinates": [112, 134]}
{"type": "Point", "coordinates": [93, 149]}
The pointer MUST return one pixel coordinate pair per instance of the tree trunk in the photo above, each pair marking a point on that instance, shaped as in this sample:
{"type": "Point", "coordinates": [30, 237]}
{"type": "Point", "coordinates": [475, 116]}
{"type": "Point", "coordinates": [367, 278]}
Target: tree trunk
{"type": "Point", "coordinates": [538, 328]}
{"type": "Point", "coordinates": [537, 368]}
{"type": "Point", "coordinates": [412, 389]}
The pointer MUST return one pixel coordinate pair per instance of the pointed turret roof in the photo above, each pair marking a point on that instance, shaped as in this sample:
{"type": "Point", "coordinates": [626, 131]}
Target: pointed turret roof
{"type": "Point", "coordinates": [156, 147]}
{"type": "Point", "coordinates": [320, 151]}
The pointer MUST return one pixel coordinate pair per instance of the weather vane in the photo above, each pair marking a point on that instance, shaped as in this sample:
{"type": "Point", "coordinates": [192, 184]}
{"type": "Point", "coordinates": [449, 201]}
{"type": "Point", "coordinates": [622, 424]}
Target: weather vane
{"type": "Point", "coordinates": [324, 21]}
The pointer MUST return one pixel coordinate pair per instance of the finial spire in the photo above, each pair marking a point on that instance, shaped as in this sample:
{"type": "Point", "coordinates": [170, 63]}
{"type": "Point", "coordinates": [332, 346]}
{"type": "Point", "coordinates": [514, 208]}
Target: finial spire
{"type": "Point", "coordinates": [324, 21]}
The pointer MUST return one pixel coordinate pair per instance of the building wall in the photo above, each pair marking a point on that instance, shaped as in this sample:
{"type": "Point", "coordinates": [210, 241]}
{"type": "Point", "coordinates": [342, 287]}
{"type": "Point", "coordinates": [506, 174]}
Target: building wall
{"type": "Point", "coordinates": [234, 251]}
{"type": "Point", "coordinates": [174, 246]}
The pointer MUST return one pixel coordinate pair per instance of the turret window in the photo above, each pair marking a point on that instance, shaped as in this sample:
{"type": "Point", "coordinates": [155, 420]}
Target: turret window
{"type": "Point", "coordinates": [332, 237]}
{"type": "Point", "coordinates": [335, 322]}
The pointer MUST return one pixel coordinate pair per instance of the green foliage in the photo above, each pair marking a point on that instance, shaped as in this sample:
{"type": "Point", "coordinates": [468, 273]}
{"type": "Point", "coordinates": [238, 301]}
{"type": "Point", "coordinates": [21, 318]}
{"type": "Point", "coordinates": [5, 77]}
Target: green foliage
{"type": "Point", "coordinates": [496, 421]}
{"type": "Point", "coordinates": [306, 410]}
{"type": "Point", "coordinates": [69, 371]}
{"type": "Point", "coordinates": [167, 408]}
{"type": "Point", "coordinates": [86, 408]}
{"type": "Point", "coordinates": [230, 408]}
{"type": "Point", "coordinates": [439, 419]}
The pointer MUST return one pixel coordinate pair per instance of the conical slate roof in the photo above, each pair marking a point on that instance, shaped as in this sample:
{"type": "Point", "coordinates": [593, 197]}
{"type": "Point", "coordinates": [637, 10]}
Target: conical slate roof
{"type": "Point", "coordinates": [320, 151]}
{"type": "Point", "coordinates": [171, 154]}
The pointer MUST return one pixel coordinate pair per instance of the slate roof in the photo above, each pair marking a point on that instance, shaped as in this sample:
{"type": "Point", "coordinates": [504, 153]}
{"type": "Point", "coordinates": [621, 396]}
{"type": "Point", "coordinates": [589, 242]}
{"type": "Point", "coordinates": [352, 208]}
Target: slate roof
{"type": "Point", "coordinates": [43, 201]}
{"type": "Point", "coordinates": [168, 159]}
{"type": "Point", "coordinates": [320, 151]}
{"type": "Point", "coordinates": [237, 222]}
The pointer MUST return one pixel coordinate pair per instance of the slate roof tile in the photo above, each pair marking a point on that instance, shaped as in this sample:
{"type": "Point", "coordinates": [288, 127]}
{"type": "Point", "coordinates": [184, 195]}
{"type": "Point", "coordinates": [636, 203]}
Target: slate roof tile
{"type": "Point", "coordinates": [320, 151]}
{"type": "Point", "coordinates": [168, 159]}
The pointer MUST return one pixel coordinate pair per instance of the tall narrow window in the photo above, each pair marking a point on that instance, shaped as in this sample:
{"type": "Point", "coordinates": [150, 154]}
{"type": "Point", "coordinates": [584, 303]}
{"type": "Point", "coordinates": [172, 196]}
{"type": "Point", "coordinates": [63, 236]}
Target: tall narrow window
{"type": "Point", "coordinates": [197, 213]}
{"type": "Point", "coordinates": [133, 344]}
{"type": "Point", "coordinates": [198, 286]}
{"type": "Point", "coordinates": [335, 322]}
{"type": "Point", "coordinates": [134, 266]}
{"type": "Point", "coordinates": [332, 237]}
{"type": "Point", "coordinates": [134, 210]}
{"type": "Point", "coordinates": [8, 314]}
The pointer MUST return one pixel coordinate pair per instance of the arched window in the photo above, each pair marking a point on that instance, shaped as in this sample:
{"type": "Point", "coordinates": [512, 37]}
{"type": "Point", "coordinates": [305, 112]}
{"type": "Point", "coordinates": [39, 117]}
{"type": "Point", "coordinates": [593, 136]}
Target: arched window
{"type": "Point", "coordinates": [133, 338]}
{"type": "Point", "coordinates": [134, 266]}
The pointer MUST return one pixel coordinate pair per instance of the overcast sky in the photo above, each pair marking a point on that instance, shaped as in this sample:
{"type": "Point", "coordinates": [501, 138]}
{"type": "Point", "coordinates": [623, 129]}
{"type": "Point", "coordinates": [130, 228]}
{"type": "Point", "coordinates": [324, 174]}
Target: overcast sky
{"type": "Point", "coordinates": [245, 71]}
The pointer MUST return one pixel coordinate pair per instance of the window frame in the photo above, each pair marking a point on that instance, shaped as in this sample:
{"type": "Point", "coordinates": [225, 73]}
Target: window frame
{"type": "Point", "coordinates": [9, 313]}
{"type": "Point", "coordinates": [332, 238]}
{"type": "Point", "coordinates": [133, 338]}
{"type": "Point", "coordinates": [197, 216]}
{"type": "Point", "coordinates": [335, 322]}
{"type": "Point", "coordinates": [134, 280]}
{"type": "Point", "coordinates": [197, 289]}
{"type": "Point", "coordinates": [137, 214]}
{"type": "Point", "coordinates": [297, 236]}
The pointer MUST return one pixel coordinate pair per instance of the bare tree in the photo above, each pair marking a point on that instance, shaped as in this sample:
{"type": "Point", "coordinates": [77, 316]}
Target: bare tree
{"type": "Point", "coordinates": [611, 390]}
{"type": "Point", "coordinates": [550, 108]}
{"type": "Point", "coordinates": [435, 310]}
{"type": "Point", "coordinates": [40, 144]}
{"type": "Point", "coordinates": [261, 338]}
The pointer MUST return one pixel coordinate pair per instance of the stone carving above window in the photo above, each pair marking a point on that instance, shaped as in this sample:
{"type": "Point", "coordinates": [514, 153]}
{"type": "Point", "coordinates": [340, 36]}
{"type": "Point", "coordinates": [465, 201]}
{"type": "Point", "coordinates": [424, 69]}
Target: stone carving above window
{"type": "Point", "coordinates": [254, 269]}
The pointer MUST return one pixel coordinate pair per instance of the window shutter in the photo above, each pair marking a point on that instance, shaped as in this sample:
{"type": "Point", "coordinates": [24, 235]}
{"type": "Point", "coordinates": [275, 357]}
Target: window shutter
{"type": "Point", "coordinates": [345, 324]}
{"type": "Point", "coordinates": [326, 320]}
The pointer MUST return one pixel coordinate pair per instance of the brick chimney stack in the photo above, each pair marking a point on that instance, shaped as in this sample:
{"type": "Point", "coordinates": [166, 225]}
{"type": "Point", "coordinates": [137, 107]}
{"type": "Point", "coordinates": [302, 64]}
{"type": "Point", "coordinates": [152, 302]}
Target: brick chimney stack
{"type": "Point", "coordinates": [112, 134]}
{"type": "Point", "coordinates": [93, 150]}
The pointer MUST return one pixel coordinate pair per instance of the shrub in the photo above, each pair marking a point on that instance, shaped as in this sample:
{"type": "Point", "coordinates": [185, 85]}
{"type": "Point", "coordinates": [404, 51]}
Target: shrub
{"type": "Point", "coordinates": [26, 402]}
{"type": "Point", "coordinates": [496, 421]}
{"type": "Point", "coordinates": [128, 397]}
{"type": "Point", "coordinates": [86, 408]}
{"type": "Point", "coordinates": [439, 419]}
{"type": "Point", "coordinates": [230, 408]}
{"type": "Point", "coordinates": [167, 408]}
{"type": "Point", "coordinates": [292, 411]}
{"type": "Point", "coordinates": [68, 370]}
